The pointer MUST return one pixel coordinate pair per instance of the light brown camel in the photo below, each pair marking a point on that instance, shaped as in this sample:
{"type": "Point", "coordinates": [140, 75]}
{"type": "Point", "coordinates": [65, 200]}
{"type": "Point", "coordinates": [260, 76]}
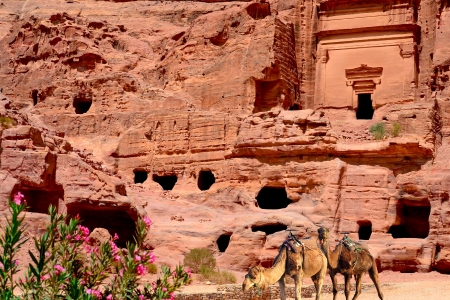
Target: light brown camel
{"type": "Point", "coordinates": [349, 258]}
{"type": "Point", "coordinates": [296, 258]}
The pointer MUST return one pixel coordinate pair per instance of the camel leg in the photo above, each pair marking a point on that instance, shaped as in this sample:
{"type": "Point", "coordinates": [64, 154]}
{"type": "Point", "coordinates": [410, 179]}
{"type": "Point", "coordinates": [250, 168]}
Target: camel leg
{"type": "Point", "coordinates": [318, 282]}
{"type": "Point", "coordinates": [373, 273]}
{"type": "Point", "coordinates": [358, 279]}
{"type": "Point", "coordinates": [347, 286]}
{"type": "Point", "coordinates": [282, 285]}
{"type": "Point", "coordinates": [298, 286]}
{"type": "Point", "coordinates": [334, 282]}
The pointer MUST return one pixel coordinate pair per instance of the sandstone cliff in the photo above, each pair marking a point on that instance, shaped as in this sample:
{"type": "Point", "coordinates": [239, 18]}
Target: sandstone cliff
{"type": "Point", "coordinates": [201, 115]}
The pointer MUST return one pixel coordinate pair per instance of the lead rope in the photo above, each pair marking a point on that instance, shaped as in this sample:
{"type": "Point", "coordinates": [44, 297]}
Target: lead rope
{"type": "Point", "coordinates": [256, 284]}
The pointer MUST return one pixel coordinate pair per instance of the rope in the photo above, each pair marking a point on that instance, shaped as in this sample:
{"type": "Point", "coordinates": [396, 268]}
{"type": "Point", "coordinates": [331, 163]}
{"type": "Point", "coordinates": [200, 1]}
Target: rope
{"type": "Point", "coordinates": [256, 284]}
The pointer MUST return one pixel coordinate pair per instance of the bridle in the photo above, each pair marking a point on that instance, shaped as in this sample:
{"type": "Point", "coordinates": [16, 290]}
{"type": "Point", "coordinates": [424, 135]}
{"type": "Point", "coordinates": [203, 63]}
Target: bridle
{"type": "Point", "coordinates": [254, 283]}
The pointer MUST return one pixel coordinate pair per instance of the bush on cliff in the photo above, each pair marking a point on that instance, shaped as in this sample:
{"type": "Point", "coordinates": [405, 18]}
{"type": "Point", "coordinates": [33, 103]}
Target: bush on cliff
{"type": "Point", "coordinates": [378, 131]}
{"type": "Point", "coordinates": [64, 266]}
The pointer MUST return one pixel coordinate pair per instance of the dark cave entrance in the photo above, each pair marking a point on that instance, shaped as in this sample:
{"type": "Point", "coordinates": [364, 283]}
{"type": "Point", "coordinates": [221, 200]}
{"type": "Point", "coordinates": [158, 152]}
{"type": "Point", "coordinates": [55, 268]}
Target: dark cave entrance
{"type": "Point", "coordinates": [38, 201]}
{"type": "Point", "coordinates": [140, 176]}
{"type": "Point", "coordinates": [273, 198]}
{"type": "Point", "coordinates": [414, 220]}
{"type": "Point", "coordinates": [365, 109]}
{"type": "Point", "coordinates": [166, 181]}
{"type": "Point", "coordinates": [113, 220]}
{"type": "Point", "coordinates": [34, 96]}
{"type": "Point", "coordinates": [82, 105]}
{"type": "Point", "coordinates": [269, 228]}
{"type": "Point", "coordinates": [365, 230]}
{"type": "Point", "coordinates": [205, 180]}
{"type": "Point", "coordinates": [223, 241]}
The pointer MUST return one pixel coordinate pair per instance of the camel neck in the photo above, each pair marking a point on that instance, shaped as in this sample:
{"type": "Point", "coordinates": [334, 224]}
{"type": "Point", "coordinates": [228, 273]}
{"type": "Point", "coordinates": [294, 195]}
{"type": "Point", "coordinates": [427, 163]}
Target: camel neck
{"type": "Point", "coordinates": [332, 256]}
{"type": "Point", "coordinates": [274, 274]}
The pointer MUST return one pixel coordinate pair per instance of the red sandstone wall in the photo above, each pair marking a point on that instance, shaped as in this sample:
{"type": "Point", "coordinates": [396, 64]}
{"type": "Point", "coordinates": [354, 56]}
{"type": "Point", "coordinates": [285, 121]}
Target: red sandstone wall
{"type": "Point", "coordinates": [183, 87]}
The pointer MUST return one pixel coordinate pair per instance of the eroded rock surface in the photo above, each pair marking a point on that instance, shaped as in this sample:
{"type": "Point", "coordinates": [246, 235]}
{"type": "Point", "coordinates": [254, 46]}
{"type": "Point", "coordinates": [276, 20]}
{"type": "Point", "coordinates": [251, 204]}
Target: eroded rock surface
{"type": "Point", "coordinates": [205, 116]}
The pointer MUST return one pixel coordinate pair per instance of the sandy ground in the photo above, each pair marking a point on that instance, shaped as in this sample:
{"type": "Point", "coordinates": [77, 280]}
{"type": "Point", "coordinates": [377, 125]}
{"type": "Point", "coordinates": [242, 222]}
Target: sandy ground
{"type": "Point", "coordinates": [394, 285]}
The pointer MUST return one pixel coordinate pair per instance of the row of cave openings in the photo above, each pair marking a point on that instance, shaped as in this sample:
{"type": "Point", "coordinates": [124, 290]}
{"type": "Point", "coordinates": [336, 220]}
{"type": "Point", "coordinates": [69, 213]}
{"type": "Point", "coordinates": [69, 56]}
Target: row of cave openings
{"type": "Point", "coordinates": [81, 103]}
{"type": "Point", "coordinates": [412, 218]}
{"type": "Point", "coordinates": [205, 179]}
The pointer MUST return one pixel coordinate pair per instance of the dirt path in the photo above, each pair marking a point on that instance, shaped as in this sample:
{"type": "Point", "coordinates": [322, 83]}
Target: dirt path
{"type": "Point", "coordinates": [395, 286]}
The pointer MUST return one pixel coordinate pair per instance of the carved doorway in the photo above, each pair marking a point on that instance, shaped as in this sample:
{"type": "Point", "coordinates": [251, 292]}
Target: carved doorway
{"type": "Point", "coordinates": [364, 111]}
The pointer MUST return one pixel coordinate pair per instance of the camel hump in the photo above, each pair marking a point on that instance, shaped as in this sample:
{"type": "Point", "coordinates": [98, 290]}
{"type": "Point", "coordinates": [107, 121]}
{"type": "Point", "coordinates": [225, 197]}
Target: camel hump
{"type": "Point", "coordinates": [362, 245]}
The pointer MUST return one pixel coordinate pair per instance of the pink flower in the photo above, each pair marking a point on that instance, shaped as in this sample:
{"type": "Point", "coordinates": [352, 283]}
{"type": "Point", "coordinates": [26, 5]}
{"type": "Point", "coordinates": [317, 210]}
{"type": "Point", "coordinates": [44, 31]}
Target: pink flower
{"type": "Point", "coordinates": [84, 232]}
{"type": "Point", "coordinates": [188, 271]}
{"type": "Point", "coordinates": [45, 277]}
{"type": "Point", "coordinates": [164, 289]}
{"type": "Point", "coordinates": [137, 257]}
{"type": "Point", "coordinates": [19, 198]}
{"type": "Point", "coordinates": [94, 293]}
{"type": "Point", "coordinates": [147, 222]}
{"type": "Point", "coordinates": [141, 297]}
{"type": "Point", "coordinates": [117, 258]}
{"type": "Point", "coordinates": [152, 258]}
{"type": "Point", "coordinates": [116, 237]}
{"type": "Point", "coordinates": [59, 269]}
{"type": "Point", "coordinates": [16, 262]}
{"type": "Point", "coordinates": [141, 270]}
{"type": "Point", "coordinates": [109, 297]}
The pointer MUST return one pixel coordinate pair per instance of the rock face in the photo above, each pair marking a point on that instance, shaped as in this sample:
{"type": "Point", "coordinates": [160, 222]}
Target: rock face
{"type": "Point", "coordinates": [228, 123]}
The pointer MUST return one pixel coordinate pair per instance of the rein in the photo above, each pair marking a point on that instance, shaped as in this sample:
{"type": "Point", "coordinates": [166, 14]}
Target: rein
{"type": "Point", "coordinates": [256, 284]}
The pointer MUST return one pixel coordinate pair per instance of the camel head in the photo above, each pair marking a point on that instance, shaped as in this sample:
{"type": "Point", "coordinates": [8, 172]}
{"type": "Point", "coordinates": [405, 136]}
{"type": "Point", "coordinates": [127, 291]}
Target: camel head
{"type": "Point", "coordinates": [254, 278]}
{"type": "Point", "coordinates": [323, 235]}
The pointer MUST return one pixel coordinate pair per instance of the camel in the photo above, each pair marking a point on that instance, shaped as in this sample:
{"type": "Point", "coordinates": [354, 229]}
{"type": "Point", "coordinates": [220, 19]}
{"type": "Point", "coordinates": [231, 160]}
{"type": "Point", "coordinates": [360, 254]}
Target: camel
{"type": "Point", "coordinates": [296, 258]}
{"type": "Point", "coordinates": [349, 258]}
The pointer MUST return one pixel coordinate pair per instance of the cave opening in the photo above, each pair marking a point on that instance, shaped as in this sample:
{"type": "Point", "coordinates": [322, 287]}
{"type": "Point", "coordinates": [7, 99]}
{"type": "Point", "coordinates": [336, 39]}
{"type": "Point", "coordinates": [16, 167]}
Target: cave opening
{"type": "Point", "coordinates": [414, 220]}
{"type": "Point", "coordinates": [365, 110]}
{"type": "Point", "coordinates": [266, 95]}
{"type": "Point", "coordinates": [82, 105]}
{"type": "Point", "coordinates": [365, 230]}
{"type": "Point", "coordinates": [205, 180]}
{"type": "Point", "coordinates": [273, 198]}
{"type": "Point", "coordinates": [167, 182]}
{"type": "Point", "coordinates": [223, 241]}
{"type": "Point", "coordinates": [38, 201]}
{"type": "Point", "coordinates": [114, 220]}
{"type": "Point", "coordinates": [140, 176]}
{"type": "Point", "coordinates": [269, 228]}
{"type": "Point", "coordinates": [34, 96]}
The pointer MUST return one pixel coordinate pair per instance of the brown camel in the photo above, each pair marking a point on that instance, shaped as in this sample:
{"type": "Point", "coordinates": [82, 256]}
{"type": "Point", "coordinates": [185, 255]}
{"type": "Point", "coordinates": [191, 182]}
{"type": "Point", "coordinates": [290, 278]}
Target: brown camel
{"type": "Point", "coordinates": [296, 258]}
{"type": "Point", "coordinates": [349, 258]}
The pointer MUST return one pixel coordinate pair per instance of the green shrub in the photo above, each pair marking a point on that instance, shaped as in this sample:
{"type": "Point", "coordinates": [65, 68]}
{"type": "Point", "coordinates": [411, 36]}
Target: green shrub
{"type": "Point", "coordinates": [218, 277]}
{"type": "Point", "coordinates": [198, 258]}
{"type": "Point", "coordinates": [6, 122]}
{"type": "Point", "coordinates": [378, 131]}
{"type": "Point", "coordinates": [396, 129]}
{"type": "Point", "coordinates": [152, 269]}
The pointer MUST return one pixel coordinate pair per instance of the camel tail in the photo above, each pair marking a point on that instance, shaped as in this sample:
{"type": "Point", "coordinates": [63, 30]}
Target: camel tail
{"type": "Point", "coordinates": [373, 273]}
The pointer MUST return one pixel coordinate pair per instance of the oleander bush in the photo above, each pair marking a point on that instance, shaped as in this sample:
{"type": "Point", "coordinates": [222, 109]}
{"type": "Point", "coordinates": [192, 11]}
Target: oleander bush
{"type": "Point", "coordinates": [64, 266]}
